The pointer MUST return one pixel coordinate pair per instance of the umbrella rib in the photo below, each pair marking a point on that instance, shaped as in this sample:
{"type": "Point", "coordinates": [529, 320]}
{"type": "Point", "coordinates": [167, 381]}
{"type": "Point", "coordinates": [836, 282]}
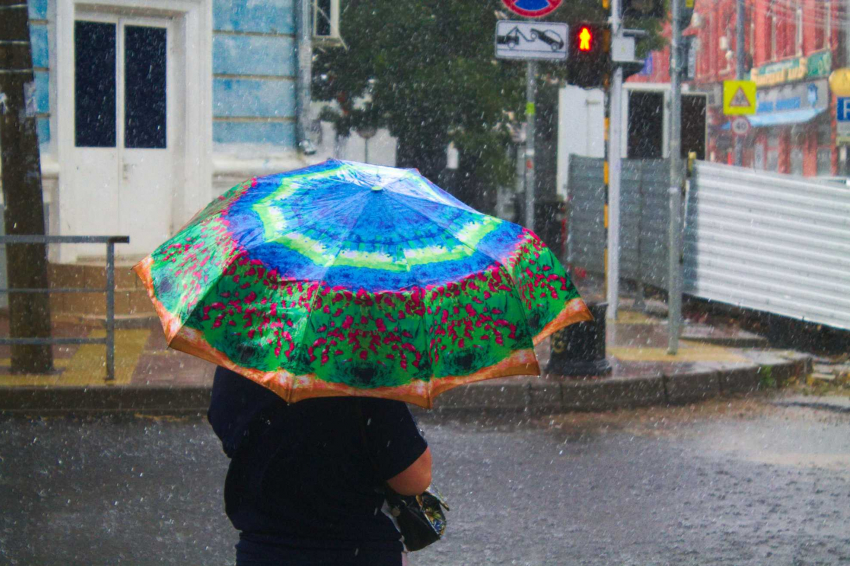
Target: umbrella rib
{"type": "Point", "coordinates": [496, 261]}
{"type": "Point", "coordinates": [427, 349]}
{"type": "Point", "coordinates": [413, 173]}
{"type": "Point", "coordinates": [342, 241]}
{"type": "Point", "coordinates": [444, 228]}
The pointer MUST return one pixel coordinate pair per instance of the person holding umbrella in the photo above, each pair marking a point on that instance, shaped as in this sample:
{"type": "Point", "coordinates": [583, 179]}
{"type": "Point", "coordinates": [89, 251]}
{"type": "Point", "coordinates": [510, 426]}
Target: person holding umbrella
{"type": "Point", "coordinates": [301, 487]}
{"type": "Point", "coordinates": [354, 287]}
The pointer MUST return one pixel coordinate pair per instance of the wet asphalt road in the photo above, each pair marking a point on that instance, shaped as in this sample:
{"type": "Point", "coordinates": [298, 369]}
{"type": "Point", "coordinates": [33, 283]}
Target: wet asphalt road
{"type": "Point", "coordinates": [720, 483]}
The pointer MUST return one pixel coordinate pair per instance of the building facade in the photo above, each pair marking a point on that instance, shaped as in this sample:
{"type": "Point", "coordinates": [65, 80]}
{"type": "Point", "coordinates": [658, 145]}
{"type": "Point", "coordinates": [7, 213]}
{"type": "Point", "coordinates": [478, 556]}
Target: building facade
{"type": "Point", "coordinates": [148, 109]}
{"type": "Point", "coordinates": [791, 48]}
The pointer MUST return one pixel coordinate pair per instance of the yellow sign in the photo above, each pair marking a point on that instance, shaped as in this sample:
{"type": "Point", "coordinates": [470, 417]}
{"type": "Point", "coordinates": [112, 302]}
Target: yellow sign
{"type": "Point", "coordinates": [739, 98]}
{"type": "Point", "coordinates": [839, 82]}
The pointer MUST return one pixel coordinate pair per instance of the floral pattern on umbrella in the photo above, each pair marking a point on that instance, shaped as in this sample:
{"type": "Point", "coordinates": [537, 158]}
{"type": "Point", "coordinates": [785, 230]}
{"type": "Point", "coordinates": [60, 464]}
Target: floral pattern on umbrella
{"type": "Point", "coordinates": [354, 279]}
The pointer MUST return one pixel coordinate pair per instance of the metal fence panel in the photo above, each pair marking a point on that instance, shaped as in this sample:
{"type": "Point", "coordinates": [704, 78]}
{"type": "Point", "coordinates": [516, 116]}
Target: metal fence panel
{"type": "Point", "coordinates": [775, 243]}
{"type": "Point", "coordinates": [643, 217]}
{"type": "Point", "coordinates": [587, 234]}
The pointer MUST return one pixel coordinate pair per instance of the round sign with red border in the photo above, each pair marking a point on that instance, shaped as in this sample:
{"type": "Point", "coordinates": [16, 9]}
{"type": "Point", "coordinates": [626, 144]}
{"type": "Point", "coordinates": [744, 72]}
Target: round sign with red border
{"type": "Point", "coordinates": [740, 126]}
{"type": "Point", "coordinates": [532, 8]}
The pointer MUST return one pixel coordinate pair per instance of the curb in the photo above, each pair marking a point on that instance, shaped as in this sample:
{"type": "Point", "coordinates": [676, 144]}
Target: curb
{"type": "Point", "coordinates": [541, 395]}
{"type": "Point", "coordinates": [671, 388]}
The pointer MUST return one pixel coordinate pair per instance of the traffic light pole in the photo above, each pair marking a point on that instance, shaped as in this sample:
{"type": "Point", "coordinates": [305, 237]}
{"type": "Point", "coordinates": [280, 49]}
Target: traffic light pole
{"type": "Point", "coordinates": [739, 72]}
{"type": "Point", "coordinates": [674, 274]}
{"type": "Point", "coordinates": [615, 124]}
{"type": "Point", "coordinates": [530, 94]}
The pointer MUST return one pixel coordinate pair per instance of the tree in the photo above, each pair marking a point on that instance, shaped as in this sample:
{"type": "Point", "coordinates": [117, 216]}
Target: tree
{"type": "Point", "coordinates": [29, 314]}
{"type": "Point", "coordinates": [428, 73]}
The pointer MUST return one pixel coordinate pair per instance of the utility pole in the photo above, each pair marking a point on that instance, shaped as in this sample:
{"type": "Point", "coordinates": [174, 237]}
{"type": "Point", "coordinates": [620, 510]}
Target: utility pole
{"type": "Point", "coordinates": [530, 111]}
{"type": "Point", "coordinates": [739, 72]}
{"type": "Point", "coordinates": [303, 13]}
{"type": "Point", "coordinates": [29, 313]}
{"type": "Point", "coordinates": [674, 275]}
{"type": "Point", "coordinates": [614, 172]}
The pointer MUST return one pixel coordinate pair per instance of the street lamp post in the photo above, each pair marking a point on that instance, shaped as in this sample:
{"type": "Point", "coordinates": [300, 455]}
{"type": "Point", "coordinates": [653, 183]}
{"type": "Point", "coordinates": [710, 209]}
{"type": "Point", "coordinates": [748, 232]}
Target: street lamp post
{"type": "Point", "coordinates": [367, 133]}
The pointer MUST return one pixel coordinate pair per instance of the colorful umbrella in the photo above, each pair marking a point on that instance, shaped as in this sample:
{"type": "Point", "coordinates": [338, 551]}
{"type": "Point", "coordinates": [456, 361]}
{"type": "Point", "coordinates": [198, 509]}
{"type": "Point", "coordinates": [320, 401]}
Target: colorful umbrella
{"type": "Point", "coordinates": [352, 279]}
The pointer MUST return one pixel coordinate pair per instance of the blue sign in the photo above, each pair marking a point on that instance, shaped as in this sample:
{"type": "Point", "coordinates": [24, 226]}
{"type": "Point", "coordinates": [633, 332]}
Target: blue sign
{"type": "Point", "coordinates": [842, 109]}
{"type": "Point", "coordinates": [646, 70]}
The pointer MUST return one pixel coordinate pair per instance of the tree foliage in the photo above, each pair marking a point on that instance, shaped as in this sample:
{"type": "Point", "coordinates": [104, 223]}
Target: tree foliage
{"type": "Point", "coordinates": [427, 71]}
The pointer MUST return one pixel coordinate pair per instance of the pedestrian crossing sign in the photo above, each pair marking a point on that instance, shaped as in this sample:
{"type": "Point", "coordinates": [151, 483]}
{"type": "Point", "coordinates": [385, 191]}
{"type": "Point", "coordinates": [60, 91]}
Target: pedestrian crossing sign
{"type": "Point", "coordinates": [739, 98]}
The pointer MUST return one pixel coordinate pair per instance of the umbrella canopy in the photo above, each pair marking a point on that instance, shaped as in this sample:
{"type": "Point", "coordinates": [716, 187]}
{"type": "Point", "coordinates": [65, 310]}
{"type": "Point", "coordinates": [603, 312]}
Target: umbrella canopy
{"type": "Point", "coordinates": [352, 279]}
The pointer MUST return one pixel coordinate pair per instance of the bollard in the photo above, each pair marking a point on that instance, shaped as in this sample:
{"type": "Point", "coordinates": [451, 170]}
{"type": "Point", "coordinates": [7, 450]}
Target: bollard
{"type": "Point", "coordinates": [579, 349]}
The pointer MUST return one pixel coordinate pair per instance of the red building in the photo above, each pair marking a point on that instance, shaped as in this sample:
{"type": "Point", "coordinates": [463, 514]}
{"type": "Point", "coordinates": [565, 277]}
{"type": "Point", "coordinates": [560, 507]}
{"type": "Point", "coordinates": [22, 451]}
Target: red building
{"type": "Point", "coordinates": [791, 48]}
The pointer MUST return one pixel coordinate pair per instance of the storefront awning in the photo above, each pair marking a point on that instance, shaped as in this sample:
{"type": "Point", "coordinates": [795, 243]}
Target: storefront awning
{"type": "Point", "coordinates": [784, 118]}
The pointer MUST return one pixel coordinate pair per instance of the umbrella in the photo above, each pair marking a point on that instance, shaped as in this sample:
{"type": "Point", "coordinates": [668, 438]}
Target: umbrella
{"type": "Point", "coordinates": [351, 279]}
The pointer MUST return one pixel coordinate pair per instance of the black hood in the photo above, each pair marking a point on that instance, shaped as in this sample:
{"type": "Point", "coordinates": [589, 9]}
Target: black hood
{"type": "Point", "coordinates": [236, 405]}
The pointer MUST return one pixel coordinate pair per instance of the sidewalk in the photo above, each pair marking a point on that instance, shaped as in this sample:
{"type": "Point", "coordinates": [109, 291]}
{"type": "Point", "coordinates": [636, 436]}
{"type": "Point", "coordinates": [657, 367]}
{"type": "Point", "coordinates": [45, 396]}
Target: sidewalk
{"type": "Point", "coordinates": [149, 377]}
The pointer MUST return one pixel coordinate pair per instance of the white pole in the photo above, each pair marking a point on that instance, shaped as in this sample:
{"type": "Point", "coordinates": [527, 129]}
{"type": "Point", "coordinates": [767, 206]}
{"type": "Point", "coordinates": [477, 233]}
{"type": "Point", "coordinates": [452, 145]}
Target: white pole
{"type": "Point", "coordinates": [674, 275]}
{"type": "Point", "coordinates": [530, 112]}
{"type": "Point", "coordinates": [614, 171]}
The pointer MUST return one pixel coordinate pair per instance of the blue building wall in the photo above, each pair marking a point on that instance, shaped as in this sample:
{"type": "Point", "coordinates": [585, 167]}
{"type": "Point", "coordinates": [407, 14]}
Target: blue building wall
{"type": "Point", "coordinates": [41, 64]}
{"type": "Point", "coordinates": [254, 72]}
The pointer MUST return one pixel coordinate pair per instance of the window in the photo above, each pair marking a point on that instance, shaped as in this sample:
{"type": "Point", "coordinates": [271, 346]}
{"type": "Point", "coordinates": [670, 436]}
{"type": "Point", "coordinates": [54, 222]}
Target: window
{"type": "Point", "coordinates": [824, 155]}
{"type": "Point", "coordinates": [825, 161]}
{"type": "Point", "coordinates": [797, 161]}
{"type": "Point", "coordinates": [98, 65]}
{"type": "Point", "coordinates": [772, 30]}
{"type": "Point", "coordinates": [773, 138]}
{"type": "Point", "coordinates": [772, 160]}
{"type": "Point", "coordinates": [798, 40]}
{"type": "Point", "coordinates": [144, 77]}
{"type": "Point", "coordinates": [731, 42]}
{"type": "Point", "coordinates": [758, 157]}
{"type": "Point", "coordinates": [326, 21]}
{"type": "Point", "coordinates": [824, 134]}
{"type": "Point", "coordinates": [94, 91]}
{"type": "Point", "coordinates": [827, 16]}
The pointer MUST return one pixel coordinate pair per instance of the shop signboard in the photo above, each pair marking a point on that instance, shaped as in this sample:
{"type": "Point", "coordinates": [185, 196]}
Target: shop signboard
{"type": "Point", "coordinates": [800, 96]}
{"type": "Point", "coordinates": [800, 68]}
{"type": "Point", "coordinates": [819, 64]}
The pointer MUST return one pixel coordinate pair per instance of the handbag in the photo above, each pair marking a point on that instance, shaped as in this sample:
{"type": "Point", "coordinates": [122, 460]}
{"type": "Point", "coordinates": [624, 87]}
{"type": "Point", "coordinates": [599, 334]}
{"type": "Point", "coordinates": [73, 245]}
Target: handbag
{"type": "Point", "coordinates": [420, 518]}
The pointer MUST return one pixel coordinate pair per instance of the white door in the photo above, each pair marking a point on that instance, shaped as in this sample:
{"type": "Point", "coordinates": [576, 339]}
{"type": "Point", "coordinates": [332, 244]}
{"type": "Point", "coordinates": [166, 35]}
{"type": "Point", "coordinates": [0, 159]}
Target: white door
{"type": "Point", "coordinates": [125, 136]}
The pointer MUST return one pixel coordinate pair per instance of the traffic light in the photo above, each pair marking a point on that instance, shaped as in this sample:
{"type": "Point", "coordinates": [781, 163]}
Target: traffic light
{"type": "Point", "coordinates": [588, 60]}
{"type": "Point", "coordinates": [644, 9]}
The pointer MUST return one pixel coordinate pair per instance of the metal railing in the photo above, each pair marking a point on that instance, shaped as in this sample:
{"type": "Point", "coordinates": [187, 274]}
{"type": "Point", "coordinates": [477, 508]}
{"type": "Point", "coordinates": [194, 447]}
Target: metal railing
{"type": "Point", "coordinates": [109, 340]}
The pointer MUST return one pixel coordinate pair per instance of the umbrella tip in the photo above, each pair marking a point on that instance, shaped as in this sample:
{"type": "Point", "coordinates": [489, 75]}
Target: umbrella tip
{"type": "Point", "coordinates": [377, 188]}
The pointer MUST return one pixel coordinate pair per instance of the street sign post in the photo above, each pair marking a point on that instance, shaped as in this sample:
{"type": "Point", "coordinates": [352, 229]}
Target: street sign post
{"type": "Point", "coordinates": [842, 118]}
{"type": "Point", "coordinates": [526, 41]}
{"type": "Point", "coordinates": [532, 8]}
{"type": "Point", "coordinates": [740, 126]}
{"type": "Point", "coordinates": [739, 98]}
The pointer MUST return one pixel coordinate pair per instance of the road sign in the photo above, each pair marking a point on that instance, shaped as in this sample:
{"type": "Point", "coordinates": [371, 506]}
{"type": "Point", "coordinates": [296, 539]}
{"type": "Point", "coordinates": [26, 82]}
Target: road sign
{"type": "Point", "coordinates": [532, 8]}
{"type": "Point", "coordinates": [842, 117]}
{"type": "Point", "coordinates": [531, 40]}
{"type": "Point", "coordinates": [739, 98]}
{"type": "Point", "coordinates": [842, 109]}
{"type": "Point", "coordinates": [740, 126]}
